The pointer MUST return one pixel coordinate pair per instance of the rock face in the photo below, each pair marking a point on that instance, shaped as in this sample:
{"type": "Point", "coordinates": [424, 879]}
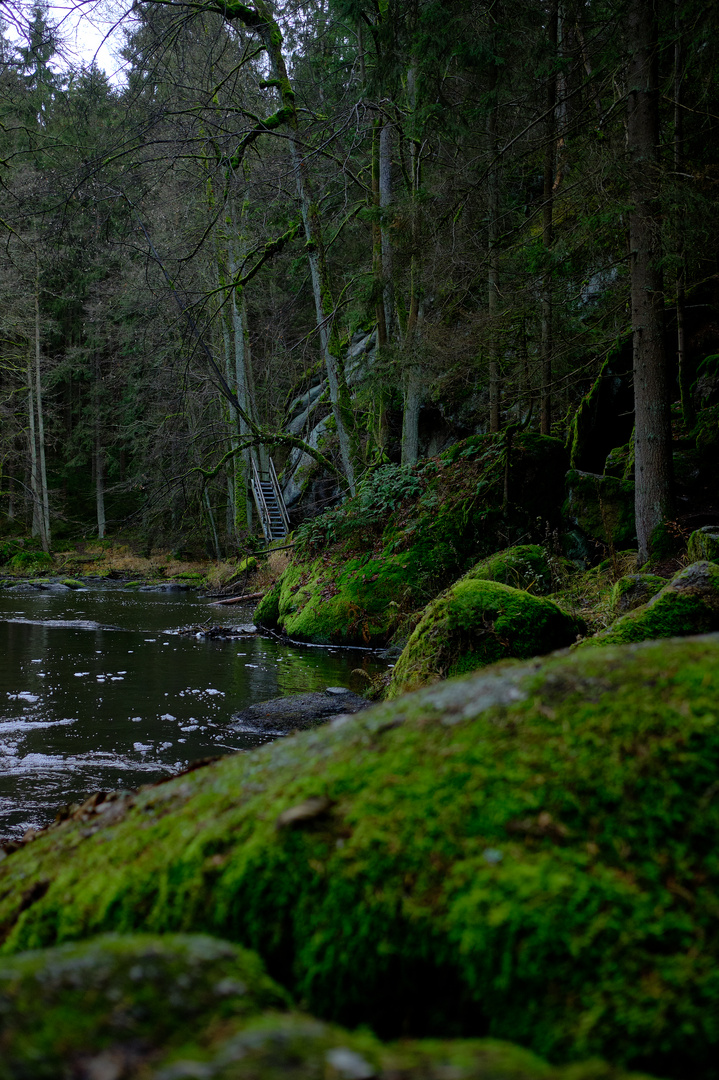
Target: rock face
{"type": "Point", "coordinates": [184, 1007]}
{"type": "Point", "coordinates": [688, 604]}
{"type": "Point", "coordinates": [298, 710]}
{"type": "Point", "coordinates": [475, 623]}
{"type": "Point", "coordinates": [529, 852]}
{"type": "Point", "coordinates": [602, 508]}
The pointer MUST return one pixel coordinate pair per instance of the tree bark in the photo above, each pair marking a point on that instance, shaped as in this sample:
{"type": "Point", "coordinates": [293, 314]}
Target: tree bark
{"type": "Point", "coordinates": [685, 374]}
{"type": "Point", "coordinates": [493, 254]}
{"type": "Point", "coordinates": [44, 499]}
{"type": "Point", "coordinates": [548, 224]}
{"type": "Point", "coordinates": [413, 375]}
{"type": "Point", "coordinates": [653, 442]}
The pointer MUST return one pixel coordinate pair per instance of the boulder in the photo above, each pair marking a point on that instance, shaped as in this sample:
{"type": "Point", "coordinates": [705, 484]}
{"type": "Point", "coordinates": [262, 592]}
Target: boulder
{"type": "Point", "coordinates": [298, 710]}
{"type": "Point", "coordinates": [475, 623]}
{"type": "Point", "coordinates": [688, 604]}
{"type": "Point", "coordinates": [602, 508]}
{"type": "Point", "coordinates": [704, 544]}
{"type": "Point", "coordinates": [525, 566]}
{"type": "Point", "coordinates": [183, 1007]}
{"type": "Point", "coordinates": [527, 853]}
{"type": "Point", "coordinates": [633, 590]}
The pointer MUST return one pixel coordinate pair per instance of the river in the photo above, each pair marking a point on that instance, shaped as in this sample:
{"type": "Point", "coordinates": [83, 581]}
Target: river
{"type": "Point", "coordinates": [99, 692]}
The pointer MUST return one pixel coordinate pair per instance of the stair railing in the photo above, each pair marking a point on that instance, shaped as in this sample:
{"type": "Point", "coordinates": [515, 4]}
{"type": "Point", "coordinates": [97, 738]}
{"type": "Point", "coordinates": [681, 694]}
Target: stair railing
{"type": "Point", "coordinates": [278, 495]}
{"type": "Point", "coordinates": [260, 503]}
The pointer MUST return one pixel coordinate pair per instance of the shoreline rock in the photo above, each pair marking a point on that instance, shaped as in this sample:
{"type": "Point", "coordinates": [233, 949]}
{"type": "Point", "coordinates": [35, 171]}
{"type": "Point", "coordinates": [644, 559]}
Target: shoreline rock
{"type": "Point", "coordinates": [297, 711]}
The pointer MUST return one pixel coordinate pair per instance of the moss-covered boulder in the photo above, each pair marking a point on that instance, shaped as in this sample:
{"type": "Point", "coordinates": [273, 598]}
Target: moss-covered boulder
{"type": "Point", "coordinates": [602, 508]}
{"type": "Point", "coordinates": [64, 1011]}
{"type": "Point", "coordinates": [633, 590]}
{"type": "Point", "coordinates": [335, 601]}
{"type": "Point", "coordinates": [688, 604]}
{"type": "Point", "coordinates": [525, 566]}
{"type": "Point", "coordinates": [528, 853]}
{"type": "Point", "coordinates": [475, 623]}
{"type": "Point", "coordinates": [704, 544]}
{"type": "Point", "coordinates": [180, 1007]}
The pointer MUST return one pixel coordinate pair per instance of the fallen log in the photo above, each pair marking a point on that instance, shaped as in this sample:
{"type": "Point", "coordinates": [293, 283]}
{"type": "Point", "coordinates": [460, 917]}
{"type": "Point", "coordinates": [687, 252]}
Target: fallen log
{"type": "Point", "coordinates": [238, 599]}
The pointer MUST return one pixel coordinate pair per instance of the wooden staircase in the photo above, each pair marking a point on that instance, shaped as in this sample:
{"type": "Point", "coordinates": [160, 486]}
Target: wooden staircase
{"type": "Point", "coordinates": [269, 502]}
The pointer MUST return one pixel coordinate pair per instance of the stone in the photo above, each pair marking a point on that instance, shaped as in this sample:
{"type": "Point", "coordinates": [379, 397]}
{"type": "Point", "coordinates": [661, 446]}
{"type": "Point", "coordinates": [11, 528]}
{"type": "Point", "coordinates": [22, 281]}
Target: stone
{"type": "Point", "coordinates": [602, 508]}
{"type": "Point", "coordinates": [475, 623]}
{"type": "Point", "coordinates": [704, 544]}
{"type": "Point", "coordinates": [633, 590]}
{"type": "Point", "coordinates": [298, 710]}
{"type": "Point", "coordinates": [688, 604]}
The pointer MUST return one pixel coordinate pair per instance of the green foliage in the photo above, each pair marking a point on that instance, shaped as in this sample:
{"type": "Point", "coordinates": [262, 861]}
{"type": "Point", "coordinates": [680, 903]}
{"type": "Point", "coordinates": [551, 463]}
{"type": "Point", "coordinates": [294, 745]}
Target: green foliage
{"type": "Point", "coordinates": [30, 562]}
{"type": "Point", "coordinates": [528, 852]}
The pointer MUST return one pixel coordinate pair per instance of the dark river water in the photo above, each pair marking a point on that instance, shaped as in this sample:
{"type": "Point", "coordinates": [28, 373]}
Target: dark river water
{"type": "Point", "coordinates": [98, 691]}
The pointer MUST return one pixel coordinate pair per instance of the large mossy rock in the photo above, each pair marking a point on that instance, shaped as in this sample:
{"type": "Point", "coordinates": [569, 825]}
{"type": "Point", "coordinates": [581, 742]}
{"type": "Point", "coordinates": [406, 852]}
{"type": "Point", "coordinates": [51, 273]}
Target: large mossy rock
{"type": "Point", "coordinates": [180, 1007]}
{"type": "Point", "coordinates": [602, 508]}
{"type": "Point", "coordinates": [475, 623]}
{"type": "Point", "coordinates": [528, 853]}
{"type": "Point", "coordinates": [688, 604]}
{"type": "Point", "coordinates": [332, 601]}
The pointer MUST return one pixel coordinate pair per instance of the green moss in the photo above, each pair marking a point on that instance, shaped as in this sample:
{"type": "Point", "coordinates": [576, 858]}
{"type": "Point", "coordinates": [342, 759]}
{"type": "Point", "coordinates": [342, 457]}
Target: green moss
{"type": "Point", "coordinates": [529, 852]}
{"type": "Point", "coordinates": [525, 566]}
{"type": "Point", "coordinates": [30, 562]}
{"type": "Point", "coordinates": [72, 583]}
{"type": "Point", "coordinates": [602, 507]}
{"type": "Point", "coordinates": [688, 604]}
{"type": "Point", "coordinates": [331, 601]}
{"type": "Point", "coordinates": [61, 1005]}
{"type": "Point", "coordinates": [704, 544]}
{"type": "Point", "coordinates": [267, 611]}
{"type": "Point", "coordinates": [475, 623]}
{"type": "Point", "coordinates": [182, 1007]}
{"type": "Point", "coordinates": [633, 590]}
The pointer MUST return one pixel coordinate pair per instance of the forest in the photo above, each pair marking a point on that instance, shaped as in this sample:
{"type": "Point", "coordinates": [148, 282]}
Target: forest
{"type": "Point", "coordinates": [493, 197]}
{"type": "Point", "coordinates": [395, 323]}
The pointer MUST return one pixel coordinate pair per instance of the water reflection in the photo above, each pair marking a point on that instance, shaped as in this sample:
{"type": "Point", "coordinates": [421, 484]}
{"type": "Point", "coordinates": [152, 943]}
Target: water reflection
{"type": "Point", "coordinates": [96, 691]}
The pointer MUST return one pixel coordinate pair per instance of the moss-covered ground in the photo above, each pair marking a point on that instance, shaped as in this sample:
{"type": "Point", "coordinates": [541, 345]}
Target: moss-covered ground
{"type": "Point", "coordinates": [528, 853]}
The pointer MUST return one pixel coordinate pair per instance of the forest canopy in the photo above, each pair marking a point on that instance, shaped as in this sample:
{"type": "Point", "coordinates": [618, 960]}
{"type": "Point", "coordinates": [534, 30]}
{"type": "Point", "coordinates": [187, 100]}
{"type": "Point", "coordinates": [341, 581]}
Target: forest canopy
{"type": "Point", "coordinates": [353, 230]}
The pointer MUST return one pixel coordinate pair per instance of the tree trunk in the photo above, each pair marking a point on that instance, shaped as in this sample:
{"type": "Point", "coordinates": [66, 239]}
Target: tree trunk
{"type": "Point", "coordinates": [493, 256]}
{"type": "Point", "coordinates": [685, 374]}
{"type": "Point", "coordinates": [37, 519]}
{"type": "Point", "coordinates": [653, 440]}
{"type": "Point", "coordinates": [385, 201]}
{"type": "Point", "coordinates": [413, 376]}
{"type": "Point", "coordinates": [271, 36]}
{"type": "Point", "coordinates": [44, 500]}
{"type": "Point", "coordinates": [548, 224]}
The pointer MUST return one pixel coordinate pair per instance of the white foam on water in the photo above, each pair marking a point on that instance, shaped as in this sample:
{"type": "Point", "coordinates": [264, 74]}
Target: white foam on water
{"type": "Point", "coordinates": [168, 716]}
{"type": "Point", "coordinates": [80, 674]}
